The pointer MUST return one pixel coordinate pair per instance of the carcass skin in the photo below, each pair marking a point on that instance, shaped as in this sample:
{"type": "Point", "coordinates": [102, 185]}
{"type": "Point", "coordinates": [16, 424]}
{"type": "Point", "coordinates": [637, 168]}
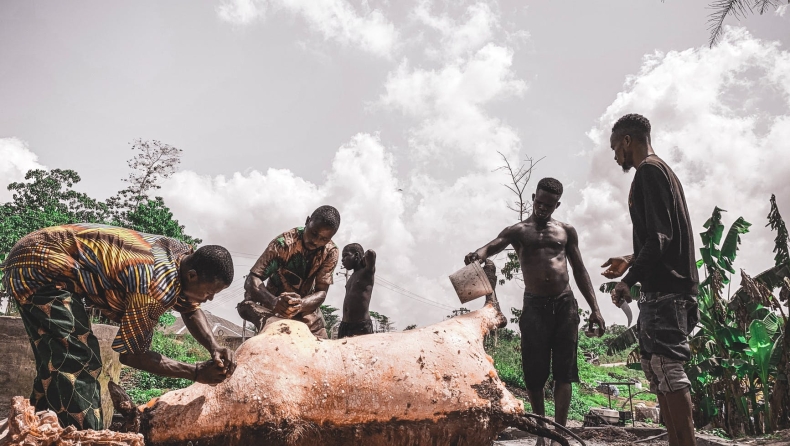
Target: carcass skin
{"type": "Point", "coordinates": [430, 386]}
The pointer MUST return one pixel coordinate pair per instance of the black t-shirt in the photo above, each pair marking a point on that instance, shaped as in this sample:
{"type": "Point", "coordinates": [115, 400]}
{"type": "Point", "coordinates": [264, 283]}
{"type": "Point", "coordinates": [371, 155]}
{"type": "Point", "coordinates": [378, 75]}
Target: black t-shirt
{"type": "Point", "coordinates": [663, 238]}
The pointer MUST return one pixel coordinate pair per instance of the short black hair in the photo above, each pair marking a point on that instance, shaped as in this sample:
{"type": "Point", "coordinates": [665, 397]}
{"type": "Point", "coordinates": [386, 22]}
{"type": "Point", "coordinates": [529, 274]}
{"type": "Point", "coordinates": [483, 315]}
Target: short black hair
{"type": "Point", "coordinates": [213, 262]}
{"type": "Point", "coordinates": [326, 217]}
{"type": "Point", "coordinates": [635, 125]}
{"type": "Point", "coordinates": [550, 185]}
{"type": "Point", "coordinates": [355, 248]}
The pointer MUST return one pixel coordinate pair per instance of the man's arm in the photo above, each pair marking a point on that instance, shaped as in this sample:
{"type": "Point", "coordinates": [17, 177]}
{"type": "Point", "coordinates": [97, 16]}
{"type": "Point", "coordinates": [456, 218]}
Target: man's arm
{"type": "Point", "coordinates": [581, 276]}
{"type": "Point", "coordinates": [198, 326]}
{"type": "Point", "coordinates": [369, 261]}
{"type": "Point", "coordinates": [323, 278]}
{"type": "Point", "coordinates": [312, 301]}
{"type": "Point", "coordinates": [203, 372]}
{"type": "Point", "coordinates": [491, 248]}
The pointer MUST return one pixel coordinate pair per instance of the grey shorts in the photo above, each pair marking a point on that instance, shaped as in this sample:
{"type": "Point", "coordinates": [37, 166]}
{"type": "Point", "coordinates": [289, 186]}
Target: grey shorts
{"type": "Point", "coordinates": [666, 375]}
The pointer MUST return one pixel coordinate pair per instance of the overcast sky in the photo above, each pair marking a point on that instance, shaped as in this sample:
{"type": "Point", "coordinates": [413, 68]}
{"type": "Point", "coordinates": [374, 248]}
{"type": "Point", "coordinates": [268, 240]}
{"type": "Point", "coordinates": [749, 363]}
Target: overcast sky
{"type": "Point", "coordinates": [394, 111]}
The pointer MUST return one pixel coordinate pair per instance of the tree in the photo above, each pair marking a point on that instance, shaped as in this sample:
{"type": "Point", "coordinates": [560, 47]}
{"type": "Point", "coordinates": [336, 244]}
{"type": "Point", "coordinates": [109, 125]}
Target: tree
{"type": "Point", "coordinates": [518, 179]}
{"type": "Point", "coordinates": [383, 324]}
{"type": "Point", "coordinates": [410, 327]}
{"type": "Point", "coordinates": [330, 317]}
{"type": "Point", "coordinates": [154, 162]}
{"type": "Point", "coordinates": [781, 241]}
{"type": "Point", "coordinates": [154, 217]}
{"type": "Point", "coordinates": [736, 8]}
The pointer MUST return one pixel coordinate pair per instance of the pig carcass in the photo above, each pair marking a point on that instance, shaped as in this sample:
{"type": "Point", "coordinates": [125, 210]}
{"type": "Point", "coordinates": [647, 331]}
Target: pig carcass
{"type": "Point", "coordinates": [430, 386]}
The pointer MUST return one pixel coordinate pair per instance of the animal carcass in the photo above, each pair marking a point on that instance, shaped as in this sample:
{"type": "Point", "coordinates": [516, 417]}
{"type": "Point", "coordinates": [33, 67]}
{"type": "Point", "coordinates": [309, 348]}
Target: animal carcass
{"type": "Point", "coordinates": [429, 386]}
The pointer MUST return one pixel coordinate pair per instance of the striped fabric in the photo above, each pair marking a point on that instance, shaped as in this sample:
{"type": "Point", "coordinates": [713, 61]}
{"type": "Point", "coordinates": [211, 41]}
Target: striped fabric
{"type": "Point", "coordinates": [130, 276]}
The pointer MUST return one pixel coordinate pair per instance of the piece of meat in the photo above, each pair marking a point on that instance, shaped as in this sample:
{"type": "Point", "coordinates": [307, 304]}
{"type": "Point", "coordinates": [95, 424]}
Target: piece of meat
{"type": "Point", "coordinates": [430, 386]}
{"type": "Point", "coordinates": [26, 427]}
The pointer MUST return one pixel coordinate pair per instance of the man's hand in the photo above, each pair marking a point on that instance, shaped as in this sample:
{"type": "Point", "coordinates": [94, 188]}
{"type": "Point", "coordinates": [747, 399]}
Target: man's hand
{"type": "Point", "coordinates": [617, 266]}
{"type": "Point", "coordinates": [224, 358]}
{"type": "Point", "coordinates": [288, 305]}
{"type": "Point", "coordinates": [207, 372]}
{"type": "Point", "coordinates": [597, 318]}
{"type": "Point", "coordinates": [621, 293]}
{"type": "Point", "coordinates": [473, 257]}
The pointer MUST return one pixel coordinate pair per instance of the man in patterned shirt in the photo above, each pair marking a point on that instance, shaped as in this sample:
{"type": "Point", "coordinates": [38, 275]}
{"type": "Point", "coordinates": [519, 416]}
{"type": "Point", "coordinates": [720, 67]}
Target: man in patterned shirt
{"type": "Point", "coordinates": [297, 267]}
{"type": "Point", "coordinates": [133, 278]}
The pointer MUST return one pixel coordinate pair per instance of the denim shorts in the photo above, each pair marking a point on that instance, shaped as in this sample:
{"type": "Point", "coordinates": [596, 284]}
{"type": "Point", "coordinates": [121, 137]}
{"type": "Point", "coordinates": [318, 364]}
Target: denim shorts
{"type": "Point", "coordinates": [665, 321]}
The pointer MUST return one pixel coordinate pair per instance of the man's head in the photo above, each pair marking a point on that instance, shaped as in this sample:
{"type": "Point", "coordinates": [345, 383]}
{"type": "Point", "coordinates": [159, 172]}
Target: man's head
{"type": "Point", "coordinates": [205, 273]}
{"type": "Point", "coordinates": [320, 227]}
{"type": "Point", "coordinates": [546, 199]}
{"type": "Point", "coordinates": [629, 133]}
{"type": "Point", "coordinates": [352, 256]}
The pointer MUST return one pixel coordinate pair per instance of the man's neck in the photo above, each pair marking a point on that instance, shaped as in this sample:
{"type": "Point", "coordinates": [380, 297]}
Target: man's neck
{"type": "Point", "coordinates": [641, 154]}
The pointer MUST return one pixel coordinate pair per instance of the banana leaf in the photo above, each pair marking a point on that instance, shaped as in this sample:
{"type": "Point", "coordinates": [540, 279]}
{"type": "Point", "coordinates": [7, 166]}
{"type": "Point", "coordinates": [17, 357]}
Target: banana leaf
{"type": "Point", "coordinates": [714, 228]}
{"type": "Point", "coordinates": [607, 287]}
{"type": "Point", "coordinates": [730, 247]}
{"type": "Point", "coordinates": [732, 338]}
{"type": "Point", "coordinates": [624, 341]}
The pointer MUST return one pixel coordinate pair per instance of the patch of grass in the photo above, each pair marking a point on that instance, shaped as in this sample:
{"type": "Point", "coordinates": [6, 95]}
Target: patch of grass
{"type": "Point", "coordinates": [142, 386]}
{"type": "Point", "coordinates": [507, 361]}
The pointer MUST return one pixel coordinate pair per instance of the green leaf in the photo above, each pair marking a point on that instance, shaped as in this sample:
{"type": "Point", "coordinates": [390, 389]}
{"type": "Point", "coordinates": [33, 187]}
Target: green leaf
{"type": "Point", "coordinates": [730, 247]}
{"type": "Point", "coordinates": [732, 338]}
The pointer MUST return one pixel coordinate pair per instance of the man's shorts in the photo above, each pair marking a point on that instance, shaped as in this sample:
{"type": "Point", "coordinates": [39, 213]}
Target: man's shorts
{"type": "Point", "coordinates": [349, 329]}
{"type": "Point", "coordinates": [549, 339]}
{"type": "Point", "coordinates": [665, 321]}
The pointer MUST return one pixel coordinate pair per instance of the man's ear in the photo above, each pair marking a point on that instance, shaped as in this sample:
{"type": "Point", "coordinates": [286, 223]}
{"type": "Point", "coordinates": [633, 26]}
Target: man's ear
{"type": "Point", "coordinates": [558, 205]}
{"type": "Point", "coordinates": [192, 276]}
{"type": "Point", "coordinates": [533, 197]}
{"type": "Point", "coordinates": [627, 140]}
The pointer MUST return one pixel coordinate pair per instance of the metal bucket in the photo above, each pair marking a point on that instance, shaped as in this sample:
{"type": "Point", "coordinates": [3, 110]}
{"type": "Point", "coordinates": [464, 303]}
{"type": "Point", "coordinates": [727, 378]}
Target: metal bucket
{"type": "Point", "coordinates": [470, 282]}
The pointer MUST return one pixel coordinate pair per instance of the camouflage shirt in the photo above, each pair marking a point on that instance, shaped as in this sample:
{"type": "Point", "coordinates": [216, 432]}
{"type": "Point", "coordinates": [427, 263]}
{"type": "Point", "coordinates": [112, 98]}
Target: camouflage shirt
{"type": "Point", "coordinates": [289, 267]}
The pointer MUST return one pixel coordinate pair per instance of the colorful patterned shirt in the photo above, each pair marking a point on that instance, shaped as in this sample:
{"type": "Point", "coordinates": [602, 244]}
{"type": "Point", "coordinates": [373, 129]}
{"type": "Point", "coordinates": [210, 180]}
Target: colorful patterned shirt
{"type": "Point", "coordinates": [130, 276]}
{"type": "Point", "coordinates": [289, 267]}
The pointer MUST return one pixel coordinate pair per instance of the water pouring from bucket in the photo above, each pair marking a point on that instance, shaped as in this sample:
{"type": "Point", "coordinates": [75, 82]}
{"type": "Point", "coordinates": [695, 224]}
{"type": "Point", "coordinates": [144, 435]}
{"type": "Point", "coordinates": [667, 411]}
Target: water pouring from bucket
{"type": "Point", "coordinates": [470, 282]}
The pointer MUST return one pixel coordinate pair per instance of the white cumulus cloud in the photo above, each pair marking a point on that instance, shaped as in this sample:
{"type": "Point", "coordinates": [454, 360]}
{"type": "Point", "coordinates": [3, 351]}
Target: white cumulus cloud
{"type": "Point", "coordinates": [336, 20]}
{"type": "Point", "coordinates": [15, 160]}
{"type": "Point", "coordinates": [721, 119]}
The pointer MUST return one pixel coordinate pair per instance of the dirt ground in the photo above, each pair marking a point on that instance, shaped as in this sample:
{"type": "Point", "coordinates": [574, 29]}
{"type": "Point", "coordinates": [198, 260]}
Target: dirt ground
{"type": "Point", "coordinates": [609, 436]}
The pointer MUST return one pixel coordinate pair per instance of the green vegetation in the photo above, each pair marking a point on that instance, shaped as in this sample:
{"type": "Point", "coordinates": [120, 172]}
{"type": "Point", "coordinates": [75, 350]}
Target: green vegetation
{"type": "Point", "coordinates": [507, 361]}
{"type": "Point", "coordinates": [142, 386]}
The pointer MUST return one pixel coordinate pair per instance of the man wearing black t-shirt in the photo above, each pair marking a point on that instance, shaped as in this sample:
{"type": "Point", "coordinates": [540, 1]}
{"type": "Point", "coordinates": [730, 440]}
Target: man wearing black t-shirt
{"type": "Point", "coordinates": [663, 262]}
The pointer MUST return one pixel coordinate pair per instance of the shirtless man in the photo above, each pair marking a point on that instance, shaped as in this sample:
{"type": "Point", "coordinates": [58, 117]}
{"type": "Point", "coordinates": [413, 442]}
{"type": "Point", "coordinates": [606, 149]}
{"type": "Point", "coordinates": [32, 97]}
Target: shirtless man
{"type": "Point", "coordinates": [356, 318]}
{"type": "Point", "coordinates": [550, 320]}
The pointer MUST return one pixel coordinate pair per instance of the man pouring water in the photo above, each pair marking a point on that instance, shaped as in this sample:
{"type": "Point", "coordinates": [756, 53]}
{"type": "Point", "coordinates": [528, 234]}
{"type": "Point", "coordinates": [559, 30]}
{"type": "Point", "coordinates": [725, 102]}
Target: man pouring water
{"type": "Point", "coordinates": [550, 319]}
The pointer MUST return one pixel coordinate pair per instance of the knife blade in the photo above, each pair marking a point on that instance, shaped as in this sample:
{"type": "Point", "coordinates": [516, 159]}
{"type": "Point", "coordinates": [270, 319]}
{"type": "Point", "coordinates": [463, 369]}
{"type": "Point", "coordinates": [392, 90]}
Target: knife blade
{"type": "Point", "coordinates": [627, 310]}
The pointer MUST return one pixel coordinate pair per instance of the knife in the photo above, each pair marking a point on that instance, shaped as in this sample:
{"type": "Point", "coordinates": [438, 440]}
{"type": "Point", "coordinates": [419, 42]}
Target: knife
{"type": "Point", "coordinates": [627, 310]}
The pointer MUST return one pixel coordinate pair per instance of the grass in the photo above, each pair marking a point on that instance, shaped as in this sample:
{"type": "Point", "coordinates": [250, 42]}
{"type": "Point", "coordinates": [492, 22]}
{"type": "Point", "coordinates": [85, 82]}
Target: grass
{"type": "Point", "coordinates": [142, 386]}
{"type": "Point", "coordinates": [507, 361]}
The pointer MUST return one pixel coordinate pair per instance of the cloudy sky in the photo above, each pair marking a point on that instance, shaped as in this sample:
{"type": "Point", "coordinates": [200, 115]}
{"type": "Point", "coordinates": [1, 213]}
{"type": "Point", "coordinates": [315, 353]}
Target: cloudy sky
{"type": "Point", "coordinates": [395, 112]}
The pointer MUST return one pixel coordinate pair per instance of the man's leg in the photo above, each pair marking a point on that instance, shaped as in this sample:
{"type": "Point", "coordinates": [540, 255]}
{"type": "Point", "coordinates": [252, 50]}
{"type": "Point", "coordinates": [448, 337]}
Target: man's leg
{"type": "Point", "coordinates": [68, 361]}
{"type": "Point", "coordinates": [535, 325]}
{"type": "Point", "coordinates": [565, 346]}
{"type": "Point", "coordinates": [674, 386]}
{"type": "Point", "coordinates": [562, 401]}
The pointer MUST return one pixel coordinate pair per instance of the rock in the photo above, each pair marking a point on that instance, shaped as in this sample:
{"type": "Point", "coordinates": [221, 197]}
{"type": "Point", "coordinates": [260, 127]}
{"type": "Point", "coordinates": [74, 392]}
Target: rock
{"type": "Point", "coordinates": [646, 413]}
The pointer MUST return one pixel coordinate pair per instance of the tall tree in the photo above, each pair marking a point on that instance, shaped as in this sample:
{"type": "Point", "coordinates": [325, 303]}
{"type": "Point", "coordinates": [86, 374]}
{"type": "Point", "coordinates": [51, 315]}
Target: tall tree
{"type": "Point", "coordinates": [781, 241]}
{"type": "Point", "coordinates": [153, 162]}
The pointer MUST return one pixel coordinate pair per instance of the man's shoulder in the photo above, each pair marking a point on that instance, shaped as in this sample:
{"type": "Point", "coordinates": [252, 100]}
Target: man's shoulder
{"type": "Point", "coordinates": [288, 238]}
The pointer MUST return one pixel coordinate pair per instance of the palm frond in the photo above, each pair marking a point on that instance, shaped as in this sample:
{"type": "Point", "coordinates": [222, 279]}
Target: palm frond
{"type": "Point", "coordinates": [721, 10]}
